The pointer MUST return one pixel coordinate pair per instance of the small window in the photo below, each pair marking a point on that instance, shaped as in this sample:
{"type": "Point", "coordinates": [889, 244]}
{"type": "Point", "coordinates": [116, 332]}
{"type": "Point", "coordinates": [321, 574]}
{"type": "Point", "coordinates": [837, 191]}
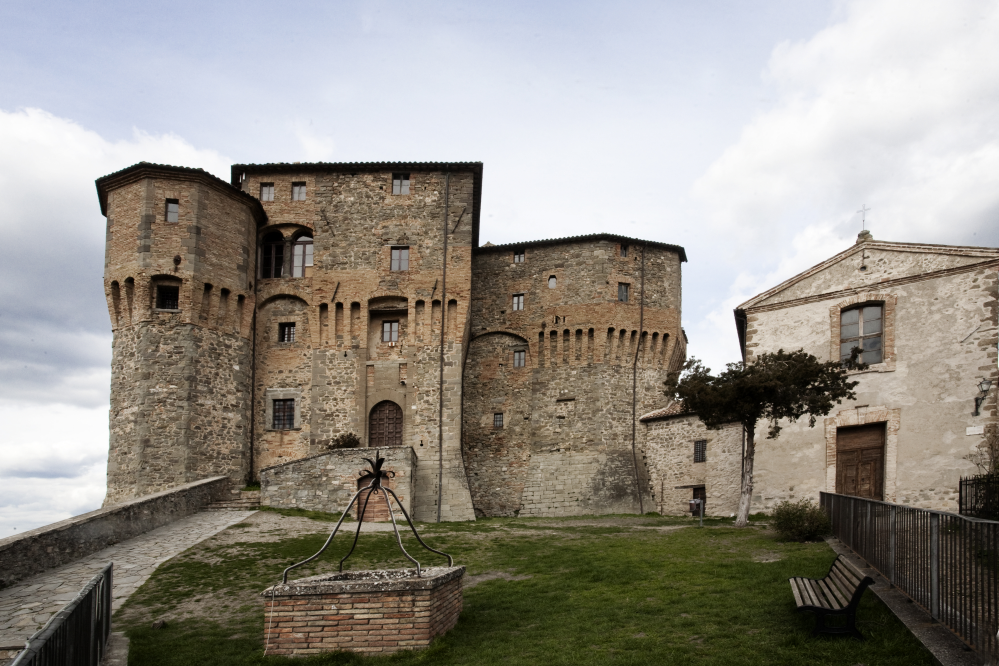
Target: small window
{"type": "Point", "coordinates": [284, 414]}
{"type": "Point", "coordinates": [519, 359]}
{"type": "Point", "coordinates": [267, 191]}
{"type": "Point", "coordinates": [390, 331]}
{"type": "Point", "coordinates": [400, 258]}
{"type": "Point", "coordinates": [172, 210]}
{"type": "Point", "coordinates": [551, 281]}
{"type": "Point", "coordinates": [272, 256]}
{"type": "Point", "coordinates": [301, 256]}
{"type": "Point", "coordinates": [400, 183]}
{"type": "Point", "coordinates": [622, 292]}
{"type": "Point", "coordinates": [861, 327]}
{"type": "Point", "coordinates": [167, 297]}
{"type": "Point", "coordinates": [624, 250]}
{"type": "Point", "coordinates": [497, 420]}
{"type": "Point", "coordinates": [518, 301]}
{"type": "Point", "coordinates": [298, 191]}
{"type": "Point", "coordinates": [700, 450]}
{"type": "Point", "coordinates": [286, 332]}
{"type": "Point", "coordinates": [518, 256]}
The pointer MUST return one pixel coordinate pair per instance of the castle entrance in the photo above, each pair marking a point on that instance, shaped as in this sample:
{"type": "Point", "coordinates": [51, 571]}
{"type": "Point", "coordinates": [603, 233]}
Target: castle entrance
{"type": "Point", "coordinates": [385, 425]}
{"type": "Point", "coordinates": [860, 455]}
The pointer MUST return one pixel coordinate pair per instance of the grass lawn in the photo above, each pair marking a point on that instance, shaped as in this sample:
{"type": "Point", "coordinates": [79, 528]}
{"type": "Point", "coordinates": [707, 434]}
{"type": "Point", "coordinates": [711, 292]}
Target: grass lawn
{"type": "Point", "coordinates": [609, 589]}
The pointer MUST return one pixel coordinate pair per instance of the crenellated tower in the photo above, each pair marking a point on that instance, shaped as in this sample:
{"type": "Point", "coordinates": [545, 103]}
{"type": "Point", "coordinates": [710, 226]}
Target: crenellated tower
{"type": "Point", "coordinates": [180, 262]}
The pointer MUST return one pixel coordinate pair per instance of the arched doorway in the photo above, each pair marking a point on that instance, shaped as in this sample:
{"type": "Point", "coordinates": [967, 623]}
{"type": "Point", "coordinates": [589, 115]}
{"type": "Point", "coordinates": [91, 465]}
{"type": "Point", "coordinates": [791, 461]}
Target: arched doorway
{"type": "Point", "coordinates": [385, 425]}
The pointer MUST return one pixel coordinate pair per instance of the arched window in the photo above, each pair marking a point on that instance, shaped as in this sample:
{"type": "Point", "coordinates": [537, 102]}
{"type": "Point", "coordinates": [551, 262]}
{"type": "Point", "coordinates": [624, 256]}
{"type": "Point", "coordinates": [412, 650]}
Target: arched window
{"type": "Point", "coordinates": [272, 256]}
{"type": "Point", "coordinates": [385, 425]}
{"type": "Point", "coordinates": [301, 257]}
{"type": "Point", "coordinates": [861, 327]}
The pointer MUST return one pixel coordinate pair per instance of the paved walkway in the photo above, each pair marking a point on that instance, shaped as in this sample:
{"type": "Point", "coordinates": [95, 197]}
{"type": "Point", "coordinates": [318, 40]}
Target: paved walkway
{"type": "Point", "coordinates": [27, 606]}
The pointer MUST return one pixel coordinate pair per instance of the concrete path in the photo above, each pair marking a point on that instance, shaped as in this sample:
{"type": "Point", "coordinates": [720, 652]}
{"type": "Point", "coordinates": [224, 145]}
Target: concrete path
{"type": "Point", "coordinates": [27, 606]}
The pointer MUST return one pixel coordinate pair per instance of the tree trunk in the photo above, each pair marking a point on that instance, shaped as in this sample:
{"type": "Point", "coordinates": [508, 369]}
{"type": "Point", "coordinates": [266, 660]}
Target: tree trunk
{"type": "Point", "coordinates": [746, 498]}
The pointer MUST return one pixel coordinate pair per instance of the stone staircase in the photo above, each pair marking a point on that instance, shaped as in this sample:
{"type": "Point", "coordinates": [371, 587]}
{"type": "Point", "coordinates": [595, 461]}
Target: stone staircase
{"type": "Point", "coordinates": [245, 500]}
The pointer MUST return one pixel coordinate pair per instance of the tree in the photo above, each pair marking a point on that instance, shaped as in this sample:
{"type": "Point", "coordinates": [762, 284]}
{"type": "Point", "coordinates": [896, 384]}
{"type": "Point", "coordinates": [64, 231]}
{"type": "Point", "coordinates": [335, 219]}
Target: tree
{"type": "Point", "coordinates": [986, 454]}
{"type": "Point", "coordinates": [777, 385]}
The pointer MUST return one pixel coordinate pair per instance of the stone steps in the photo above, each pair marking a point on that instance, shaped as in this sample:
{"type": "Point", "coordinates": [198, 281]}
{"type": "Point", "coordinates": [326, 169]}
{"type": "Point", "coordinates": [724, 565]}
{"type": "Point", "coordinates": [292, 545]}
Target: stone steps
{"type": "Point", "coordinates": [243, 500]}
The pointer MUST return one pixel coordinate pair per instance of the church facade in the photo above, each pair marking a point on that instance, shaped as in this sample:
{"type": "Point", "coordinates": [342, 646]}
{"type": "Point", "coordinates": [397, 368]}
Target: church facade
{"type": "Point", "coordinates": [259, 321]}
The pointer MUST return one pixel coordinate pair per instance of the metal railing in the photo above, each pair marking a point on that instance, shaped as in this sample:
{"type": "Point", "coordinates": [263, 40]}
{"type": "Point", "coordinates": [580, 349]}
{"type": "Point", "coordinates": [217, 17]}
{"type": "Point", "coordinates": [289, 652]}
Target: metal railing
{"type": "Point", "coordinates": [78, 634]}
{"type": "Point", "coordinates": [944, 562]}
{"type": "Point", "coordinates": [979, 496]}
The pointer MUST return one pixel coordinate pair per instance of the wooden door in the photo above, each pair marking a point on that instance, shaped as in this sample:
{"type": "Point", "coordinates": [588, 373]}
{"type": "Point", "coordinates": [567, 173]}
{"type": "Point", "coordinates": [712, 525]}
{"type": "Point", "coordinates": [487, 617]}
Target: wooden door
{"type": "Point", "coordinates": [385, 425]}
{"type": "Point", "coordinates": [860, 456]}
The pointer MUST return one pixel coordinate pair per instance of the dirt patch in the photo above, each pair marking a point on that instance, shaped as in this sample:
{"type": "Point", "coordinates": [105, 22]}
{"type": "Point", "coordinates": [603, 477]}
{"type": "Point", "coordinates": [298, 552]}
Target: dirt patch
{"type": "Point", "coordinates": [767, 556]}
{"type": "Point", "coordinates": [472, 581]}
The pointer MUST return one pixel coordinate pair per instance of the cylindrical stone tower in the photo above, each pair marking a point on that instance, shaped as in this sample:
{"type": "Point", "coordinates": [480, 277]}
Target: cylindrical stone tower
{"type": "Point", "coordinates": [178, 273]}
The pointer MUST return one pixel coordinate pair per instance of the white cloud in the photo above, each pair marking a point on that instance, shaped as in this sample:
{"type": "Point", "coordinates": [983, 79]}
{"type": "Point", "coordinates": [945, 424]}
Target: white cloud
{"type": "Point", "coordinates": [894, 106]}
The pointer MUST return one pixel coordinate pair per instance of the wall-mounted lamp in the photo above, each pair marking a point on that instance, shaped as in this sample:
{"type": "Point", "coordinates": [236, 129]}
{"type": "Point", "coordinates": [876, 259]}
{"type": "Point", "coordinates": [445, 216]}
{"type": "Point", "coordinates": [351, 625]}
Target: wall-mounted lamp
{"type": "Point", "coordinates": [984, 387]}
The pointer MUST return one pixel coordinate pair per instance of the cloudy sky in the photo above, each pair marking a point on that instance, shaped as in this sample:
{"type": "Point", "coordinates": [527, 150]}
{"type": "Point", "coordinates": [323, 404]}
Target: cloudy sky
{"type": "Point", "coordinates": [750, 132]}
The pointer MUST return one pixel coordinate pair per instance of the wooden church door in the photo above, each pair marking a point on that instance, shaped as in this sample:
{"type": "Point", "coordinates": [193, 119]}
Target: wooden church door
{"type": "Point", "coordinates": [385, 425]}
{"type": "Point", "coordinates": [860, 455]}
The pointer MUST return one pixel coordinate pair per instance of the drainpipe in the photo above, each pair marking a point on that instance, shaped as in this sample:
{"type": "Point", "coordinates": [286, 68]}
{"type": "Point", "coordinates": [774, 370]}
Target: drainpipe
{"type": "Point", "coordinates": [440, 389]}
{"type": "Point", "coordinates": [634, 383]}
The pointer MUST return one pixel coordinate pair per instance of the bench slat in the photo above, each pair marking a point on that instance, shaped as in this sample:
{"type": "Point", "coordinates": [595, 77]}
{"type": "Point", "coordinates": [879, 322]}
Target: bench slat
{"type": "Point", "coordinates": [832, 595]}
{"type": "Point", "coordinates": [848, 587]}
{"type": "Point", "coordinates": [847, 570]}
{"type": "Point", "coordinates": [813, 598]}
{"type": "Point", "coordinates": [794, 590]}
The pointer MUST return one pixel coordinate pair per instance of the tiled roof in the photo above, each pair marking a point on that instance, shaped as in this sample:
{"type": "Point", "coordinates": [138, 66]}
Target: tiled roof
{"type": "Point", "coordinates": [588, 237]}
{"type": "Point", "coordinates": [673, 409]}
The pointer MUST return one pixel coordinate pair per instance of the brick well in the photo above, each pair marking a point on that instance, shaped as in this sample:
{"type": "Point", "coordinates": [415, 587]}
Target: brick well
{"type": "Point", "coordinates": [362, 611]}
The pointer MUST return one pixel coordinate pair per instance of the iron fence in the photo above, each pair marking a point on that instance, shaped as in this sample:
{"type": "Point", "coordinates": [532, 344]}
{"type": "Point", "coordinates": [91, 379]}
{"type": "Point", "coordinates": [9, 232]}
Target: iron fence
{"type": "Point", "coordinates": [979, 496]}
{"type": "Point", "coordinates": [78, 634]}
{"type": "Point", "coordinates": [944, 562]}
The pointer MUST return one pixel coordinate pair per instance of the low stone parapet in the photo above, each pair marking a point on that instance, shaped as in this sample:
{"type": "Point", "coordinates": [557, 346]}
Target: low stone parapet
{"type": "Point", "coordinates": [362, 611]}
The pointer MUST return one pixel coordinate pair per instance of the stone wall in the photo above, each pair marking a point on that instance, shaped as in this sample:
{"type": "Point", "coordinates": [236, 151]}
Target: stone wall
{"type": "Point", "coordinates": [669, 450]}
{"type": "Point", "coordinates": [327, 481]}
{"type": "Point", "coordinates": [51, 546]}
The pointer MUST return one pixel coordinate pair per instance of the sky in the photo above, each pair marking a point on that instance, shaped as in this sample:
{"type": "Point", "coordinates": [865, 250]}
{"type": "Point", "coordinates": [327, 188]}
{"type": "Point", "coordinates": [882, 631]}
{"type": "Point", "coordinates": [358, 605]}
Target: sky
{"type": "Point", "coordinates": [748, 131]}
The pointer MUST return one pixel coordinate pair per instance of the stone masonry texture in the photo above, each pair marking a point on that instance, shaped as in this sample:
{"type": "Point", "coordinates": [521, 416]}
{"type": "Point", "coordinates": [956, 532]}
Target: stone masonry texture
{"type": "Point", "coordinates": [194, 385]}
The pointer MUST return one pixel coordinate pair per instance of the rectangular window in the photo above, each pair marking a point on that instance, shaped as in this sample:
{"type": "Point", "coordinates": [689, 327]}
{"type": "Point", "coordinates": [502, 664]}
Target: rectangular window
{"type": "Point", "coordinates": [284, 414]}
{"type": "Point", "coordinates": [622, 292]}
{"type": "Point", "coordinates": [519, 359]}
{"type": "Point", "coordinates": [400, 258]}
{"type": "Point", "coordinates": [298, 191]}
{"type": "Point", "coordinates": [267, 191]}
{"type": "Point", "coordinates": [286, 332]}
{"type": "Point", "coordinates": [172, 210]}
{"type": "Point", "coordinates": [167, 297]}
{"type": "Point", "coordinates": [624, 250]}
{"type": "Point", "coordinates": [390, 331]}
{"type": "Point", "coordinates": [497, 420]}
{"type": "Point", "coordinates": [518, 256]}
{"type": "Point", "coordinates": [700, 450]}
{"type": "Point", "coordinates": [862, 327]}
{"type": "Point", "coordinates": [518, 301]}
{"type": "Point", "coordinates": [400, 183]}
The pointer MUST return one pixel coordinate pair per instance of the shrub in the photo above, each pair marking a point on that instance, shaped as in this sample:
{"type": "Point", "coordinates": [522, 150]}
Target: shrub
{"type": "Point", "coordinates": [799, 521]}
{"type": "Point", "coordinates": [345, 440]}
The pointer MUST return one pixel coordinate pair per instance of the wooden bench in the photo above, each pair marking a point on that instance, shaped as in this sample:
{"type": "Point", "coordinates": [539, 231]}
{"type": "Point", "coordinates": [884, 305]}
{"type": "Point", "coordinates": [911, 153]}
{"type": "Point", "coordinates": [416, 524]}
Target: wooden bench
{"type": "Point", "coordinates": [837, 594]}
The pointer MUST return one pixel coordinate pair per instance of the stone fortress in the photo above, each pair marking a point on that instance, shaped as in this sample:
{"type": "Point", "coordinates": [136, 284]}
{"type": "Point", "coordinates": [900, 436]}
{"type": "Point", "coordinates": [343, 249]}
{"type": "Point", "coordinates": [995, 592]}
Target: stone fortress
{"type": "Point", "coordinates": [256, 322]}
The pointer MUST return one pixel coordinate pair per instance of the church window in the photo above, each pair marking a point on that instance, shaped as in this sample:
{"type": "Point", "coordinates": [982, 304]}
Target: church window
{"type": "Point", "coordinates": [700, 451]}
{"type": "Point", "coordinates": [552, 282]}
{"type": "Point", "coordinates": [622, 291]}
{"type": "Point", "coordinates": [301, 256]}
{"type": "Point", "coordinates": [298, 191]}
{"type": "Point", "coordinates": [390, 331]}
{"type": "Point", "coordinates": [518, 256]}
{"type": "Point", "coordinates": [284, 414]}
{"type": "Point", "coordinates": [624, 250]}
{"type": "Point", "coordinates": [400, 183]}
{"type": "Point", "coordinates": [272, 256]}
{"type": "Point", "coordinates": [862, 327]}
{"type": "Point", "coordinates": [172, 210]}
{"type": "Point", "coordinates": [400, 258]}
{"type": "Point", "coordinates": [286, 332]}
{"type": "Point", "coordinates": [518, 301]}
{"type": "Point", "coordinates": [167, 297]}
{"type": "Point", "coordinates": [519, 359]}
{"type": "Point", "coordinates": [267, 191]}
{"type": "Point", "coordinates": [497, 421]}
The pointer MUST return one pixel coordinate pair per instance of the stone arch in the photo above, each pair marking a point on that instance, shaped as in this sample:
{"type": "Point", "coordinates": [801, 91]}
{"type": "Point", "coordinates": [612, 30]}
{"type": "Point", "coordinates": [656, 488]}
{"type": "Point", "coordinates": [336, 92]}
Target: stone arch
{"type": "Point", "coordinates": [385, 425]}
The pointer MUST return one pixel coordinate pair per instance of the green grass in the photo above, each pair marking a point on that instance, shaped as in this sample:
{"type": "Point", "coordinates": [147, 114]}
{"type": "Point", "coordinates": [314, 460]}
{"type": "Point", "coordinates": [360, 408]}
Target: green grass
{"type": "Point", "coordinates": [596, 594]}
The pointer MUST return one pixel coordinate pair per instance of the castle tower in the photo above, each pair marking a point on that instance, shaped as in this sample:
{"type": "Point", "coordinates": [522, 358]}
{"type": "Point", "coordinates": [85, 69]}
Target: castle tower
{"type": "Point", "coordinates": [180, 263]}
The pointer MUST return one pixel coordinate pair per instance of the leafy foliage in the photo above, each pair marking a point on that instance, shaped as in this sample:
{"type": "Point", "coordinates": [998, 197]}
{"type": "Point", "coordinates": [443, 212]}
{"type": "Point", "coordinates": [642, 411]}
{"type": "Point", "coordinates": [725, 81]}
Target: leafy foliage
{"type": "Point", "coordinates": [986, 455]}
{"type": "Point", "coordinates": [799, 521]}
{"type": "Point", "coordinates": [345, 440]}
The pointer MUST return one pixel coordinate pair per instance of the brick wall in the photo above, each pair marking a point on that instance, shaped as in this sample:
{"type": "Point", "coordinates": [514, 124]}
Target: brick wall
{"type": "Point", "coordinates": [377, 612]}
